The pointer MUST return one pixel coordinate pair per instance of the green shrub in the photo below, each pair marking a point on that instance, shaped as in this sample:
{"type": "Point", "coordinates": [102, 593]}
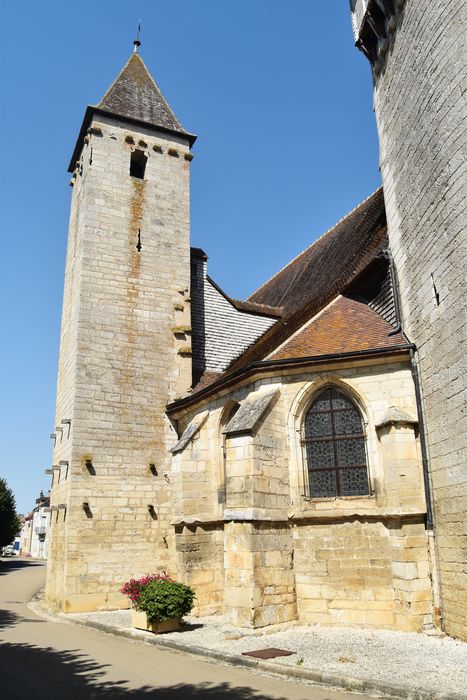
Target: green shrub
{"type": "Point", "coordinates": [163, 600]}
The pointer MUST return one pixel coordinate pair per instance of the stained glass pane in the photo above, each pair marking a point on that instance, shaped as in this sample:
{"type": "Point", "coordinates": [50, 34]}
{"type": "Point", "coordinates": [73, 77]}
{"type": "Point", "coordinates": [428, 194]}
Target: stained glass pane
{"type": "Point", "coordinates": [323, 483]}
{"type": "Point", "coordinates": [323, 402]}
{"type": "Point", "coordinates": [331, 419]}
{"type": "Point", "coordinates": [340, 400]}
{"type": "Point", "coordinates": [347, 422]}
{"type": "Point", "coordinates": [350, 452]}
{"type": "Point", "coordinates": [353, 482]}
{"type": "Point", "coordinates": [318, 425]}
{"type": "Point", "coordinates": [320, 454]}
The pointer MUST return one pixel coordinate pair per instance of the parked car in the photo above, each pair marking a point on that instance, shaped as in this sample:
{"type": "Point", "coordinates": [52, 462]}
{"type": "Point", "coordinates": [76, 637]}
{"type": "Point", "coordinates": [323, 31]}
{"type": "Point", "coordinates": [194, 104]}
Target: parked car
{"type": "Point", "coordinates": [8, 551]}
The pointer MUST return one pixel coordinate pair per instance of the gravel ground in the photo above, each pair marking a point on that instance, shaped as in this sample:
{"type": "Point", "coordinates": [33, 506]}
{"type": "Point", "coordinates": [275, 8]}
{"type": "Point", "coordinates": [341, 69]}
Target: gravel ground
{"type": "Point", "coordinates": [422, 662]}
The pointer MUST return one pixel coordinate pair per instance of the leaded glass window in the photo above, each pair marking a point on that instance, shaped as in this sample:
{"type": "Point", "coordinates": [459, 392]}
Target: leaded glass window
{"type": "Point", "coordinates": [335, 449]}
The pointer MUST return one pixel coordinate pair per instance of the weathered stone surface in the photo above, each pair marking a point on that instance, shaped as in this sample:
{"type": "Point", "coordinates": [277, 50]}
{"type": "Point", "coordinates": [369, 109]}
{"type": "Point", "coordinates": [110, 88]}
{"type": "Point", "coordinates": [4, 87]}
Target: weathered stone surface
{"type": "Point", "coordinates": [279, 556]}
{"type": "Point", "coordinates": [119, 366]}
{"type": "Point", "coordinates": [421, 114]}
{"type": "Point", "coordinates": [396, 415]}
{"type": "Point", "coordinates": [250, 413]}
{"type": "Point", "coordinates": [229, 511]}
{"type": "Point", "coordinates": [189, 432]}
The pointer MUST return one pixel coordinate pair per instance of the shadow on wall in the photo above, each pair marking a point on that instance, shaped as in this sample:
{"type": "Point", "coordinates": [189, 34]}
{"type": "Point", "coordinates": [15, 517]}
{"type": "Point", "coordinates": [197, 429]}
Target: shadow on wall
{"type": "Point", "coordinates": [44, 673]}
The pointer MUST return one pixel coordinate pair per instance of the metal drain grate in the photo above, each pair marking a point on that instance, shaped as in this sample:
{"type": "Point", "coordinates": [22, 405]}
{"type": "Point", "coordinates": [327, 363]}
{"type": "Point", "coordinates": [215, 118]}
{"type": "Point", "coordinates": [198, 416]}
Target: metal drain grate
{"type": "Point", "coordinates": [270, 653]}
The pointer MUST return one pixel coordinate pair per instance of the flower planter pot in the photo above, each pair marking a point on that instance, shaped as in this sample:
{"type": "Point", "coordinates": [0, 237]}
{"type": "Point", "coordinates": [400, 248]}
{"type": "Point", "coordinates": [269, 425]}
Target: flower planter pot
{"type": "Point", "coordinates": [140, 621]}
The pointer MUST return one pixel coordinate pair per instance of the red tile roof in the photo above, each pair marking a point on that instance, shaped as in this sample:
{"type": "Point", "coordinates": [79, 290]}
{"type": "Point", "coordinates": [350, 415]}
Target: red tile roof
{"type": "Point", "coordinates": [346, 325]}
{"type": "Point", "coordinates": [206, 379]}
{"type": "Point", "coordinates": [308, 283]}
{"type": "Point", "coordinates": [347, 260]}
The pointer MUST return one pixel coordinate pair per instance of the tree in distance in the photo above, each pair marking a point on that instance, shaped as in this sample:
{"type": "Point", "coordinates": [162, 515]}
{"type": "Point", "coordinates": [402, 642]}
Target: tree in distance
{"type": "Point", "coordinates": [9, 524]}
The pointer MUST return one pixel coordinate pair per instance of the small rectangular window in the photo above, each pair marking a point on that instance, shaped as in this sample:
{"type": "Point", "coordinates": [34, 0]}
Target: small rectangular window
{"type": "Point", "coordinates": [138, 164]}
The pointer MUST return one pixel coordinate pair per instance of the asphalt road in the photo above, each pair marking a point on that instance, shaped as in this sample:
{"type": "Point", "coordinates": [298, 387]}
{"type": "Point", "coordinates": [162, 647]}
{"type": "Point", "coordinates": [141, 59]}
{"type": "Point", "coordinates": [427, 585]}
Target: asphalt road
{"type": "Point", "coordinates": [43, 659]}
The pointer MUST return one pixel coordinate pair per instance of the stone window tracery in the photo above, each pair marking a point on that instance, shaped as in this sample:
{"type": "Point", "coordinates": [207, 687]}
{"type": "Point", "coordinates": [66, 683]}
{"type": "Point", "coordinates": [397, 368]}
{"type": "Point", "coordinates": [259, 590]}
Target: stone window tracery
{"type": "Point", "coordinates": [335, 447]}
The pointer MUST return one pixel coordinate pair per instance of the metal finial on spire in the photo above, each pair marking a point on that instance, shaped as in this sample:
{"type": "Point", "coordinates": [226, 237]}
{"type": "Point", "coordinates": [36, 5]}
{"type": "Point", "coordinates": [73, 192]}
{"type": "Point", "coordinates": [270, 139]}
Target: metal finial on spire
{"type": "Point", "coordinates": [137, 42]}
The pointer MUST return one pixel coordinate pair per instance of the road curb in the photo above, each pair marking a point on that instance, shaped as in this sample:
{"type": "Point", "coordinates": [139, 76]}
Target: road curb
{"type": "Point", "coordinates": [341, 682]}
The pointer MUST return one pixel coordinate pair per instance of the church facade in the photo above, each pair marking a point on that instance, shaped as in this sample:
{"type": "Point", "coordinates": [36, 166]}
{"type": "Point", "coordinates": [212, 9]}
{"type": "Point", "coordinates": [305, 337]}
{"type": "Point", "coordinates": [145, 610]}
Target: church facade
{"type": "Point", "coordinates": [271, 452]}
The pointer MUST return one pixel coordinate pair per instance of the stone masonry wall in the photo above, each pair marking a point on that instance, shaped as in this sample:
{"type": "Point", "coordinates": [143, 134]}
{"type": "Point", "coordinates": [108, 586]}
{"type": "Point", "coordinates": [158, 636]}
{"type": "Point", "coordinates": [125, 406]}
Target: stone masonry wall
{"type": "Point", "coordinates": [421, 112]}
{"type": "Point", "coordinates": [120, 363]}
{"type": "Point", "coordinates": [364, 573]}
{"type": "Point", "coordinates": [335, 561]}
{"type": "Point", "coordinates": [200, 552]}
{"type": "Point", "coordinates": [65, 392]}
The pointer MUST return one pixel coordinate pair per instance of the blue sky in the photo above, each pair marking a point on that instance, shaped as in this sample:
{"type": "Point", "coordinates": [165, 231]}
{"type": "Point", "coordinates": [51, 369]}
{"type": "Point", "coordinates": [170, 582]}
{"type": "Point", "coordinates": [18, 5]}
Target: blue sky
{"type": "Point", "coordinates": [281, 102]}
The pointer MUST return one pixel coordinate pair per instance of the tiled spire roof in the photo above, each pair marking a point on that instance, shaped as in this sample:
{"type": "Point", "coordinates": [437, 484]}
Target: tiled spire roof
{"type": "Point", "coordinates": [135, 95]}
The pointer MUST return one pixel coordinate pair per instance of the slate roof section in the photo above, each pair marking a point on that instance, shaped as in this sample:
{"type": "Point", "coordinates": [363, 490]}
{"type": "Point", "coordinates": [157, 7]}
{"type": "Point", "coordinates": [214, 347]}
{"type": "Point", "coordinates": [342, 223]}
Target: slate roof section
{"type": "Point", "coordinates": [345, 325]}
{"type": "Point", "coordinates": [250, 307]}
{"type": "Point", "coordinates": [328, 263]}
{"type": "Point", "coordinates": [222, 327]}
{"type": "Point", "coordinates": [308, 283]}
{"type": "Point", "coordinates": [374, 286]}
{"type": "Point", "coordinates": [250, 413]}
{"type": "Point", "coordinates": [347, 265]}
{"type": "Point", "coordinates": [190, 432]}
{"type": "Point", "coordinates": [135, 95]}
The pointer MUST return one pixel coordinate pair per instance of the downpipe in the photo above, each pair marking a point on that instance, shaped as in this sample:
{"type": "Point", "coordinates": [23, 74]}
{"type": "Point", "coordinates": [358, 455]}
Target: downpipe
{"type": "Point", "coordinates": [434, 568]}
{"type": "Point", "coordinates": [430, 529]}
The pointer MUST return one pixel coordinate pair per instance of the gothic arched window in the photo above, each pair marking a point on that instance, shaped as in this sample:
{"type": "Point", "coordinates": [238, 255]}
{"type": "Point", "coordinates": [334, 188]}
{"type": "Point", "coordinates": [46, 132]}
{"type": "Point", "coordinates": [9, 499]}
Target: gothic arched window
{"type": "Point", "coordinates": [335, 447]}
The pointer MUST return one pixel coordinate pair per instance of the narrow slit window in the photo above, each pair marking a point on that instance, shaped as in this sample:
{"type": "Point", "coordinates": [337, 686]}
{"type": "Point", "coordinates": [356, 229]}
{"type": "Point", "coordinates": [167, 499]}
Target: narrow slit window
{"type": "Point", "coordinates": [435, 290]}
{"type": "Point", "coordinates": [138, 164]}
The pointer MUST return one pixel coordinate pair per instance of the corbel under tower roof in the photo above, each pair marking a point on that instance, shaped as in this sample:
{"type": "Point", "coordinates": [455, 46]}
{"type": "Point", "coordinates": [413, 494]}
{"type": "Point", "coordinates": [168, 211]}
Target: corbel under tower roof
{"type": "Point", "coordinates": [133, 97]}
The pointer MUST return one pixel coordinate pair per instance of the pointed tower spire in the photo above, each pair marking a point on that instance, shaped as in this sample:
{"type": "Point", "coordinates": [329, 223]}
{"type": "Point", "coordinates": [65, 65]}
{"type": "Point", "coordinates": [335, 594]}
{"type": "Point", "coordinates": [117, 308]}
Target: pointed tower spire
{"type": "Point", "coordinates": [134, 97]}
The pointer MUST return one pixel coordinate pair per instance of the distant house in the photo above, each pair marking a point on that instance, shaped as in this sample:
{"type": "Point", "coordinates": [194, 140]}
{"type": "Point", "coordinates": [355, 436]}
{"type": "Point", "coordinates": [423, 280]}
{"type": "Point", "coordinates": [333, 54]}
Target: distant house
{"type": "Point", "coordinates": [33, 538]}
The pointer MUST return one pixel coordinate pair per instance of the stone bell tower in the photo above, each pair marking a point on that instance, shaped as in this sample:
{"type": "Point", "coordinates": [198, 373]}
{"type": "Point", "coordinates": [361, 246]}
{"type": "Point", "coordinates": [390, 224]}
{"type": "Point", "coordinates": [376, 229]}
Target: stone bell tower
{"type": "Point", "coordinates": [125, 348]}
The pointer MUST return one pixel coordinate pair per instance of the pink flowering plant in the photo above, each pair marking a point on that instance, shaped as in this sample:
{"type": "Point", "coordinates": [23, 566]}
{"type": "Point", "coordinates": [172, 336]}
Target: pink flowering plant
{"type": "Point", "coordinates": [135, 586]}
{"type": "Point", "coordinates": [159, 597]}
